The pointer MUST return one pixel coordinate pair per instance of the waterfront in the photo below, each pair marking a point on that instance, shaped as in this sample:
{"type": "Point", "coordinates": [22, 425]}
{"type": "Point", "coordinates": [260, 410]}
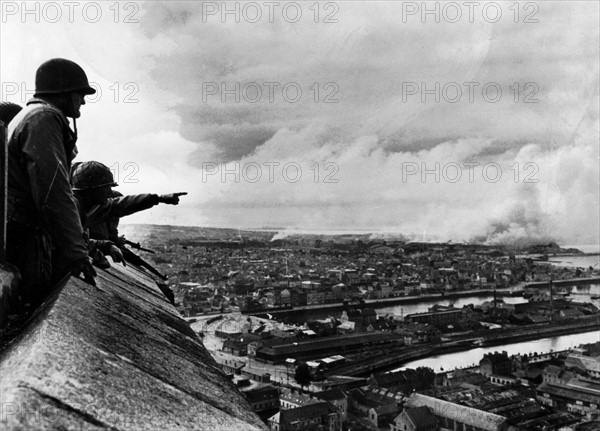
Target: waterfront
{"type": "Point", "coordinates": [472, 357]}
{"type": "Point", "coordinates": [576, 261]}
{"type": "Point", "coordinates": [421, 307]}
{"type": "Point", "coordinates": [581, 293]}
{"type": "Point", "coordinates": [591, 258]}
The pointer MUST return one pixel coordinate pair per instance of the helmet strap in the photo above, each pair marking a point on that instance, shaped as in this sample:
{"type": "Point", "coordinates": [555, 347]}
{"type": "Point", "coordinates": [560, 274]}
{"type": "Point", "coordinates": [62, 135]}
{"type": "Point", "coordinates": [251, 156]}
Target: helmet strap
{"type": "Point", "coordinates": [75, 128]}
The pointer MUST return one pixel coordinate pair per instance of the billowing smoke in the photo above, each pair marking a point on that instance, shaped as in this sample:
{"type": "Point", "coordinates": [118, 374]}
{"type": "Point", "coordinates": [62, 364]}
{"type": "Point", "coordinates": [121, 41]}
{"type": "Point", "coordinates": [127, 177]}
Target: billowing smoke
{"type": "Point", "coordinates": [522, 223]}
{"type": "Point", "coordinates": [355, 151]}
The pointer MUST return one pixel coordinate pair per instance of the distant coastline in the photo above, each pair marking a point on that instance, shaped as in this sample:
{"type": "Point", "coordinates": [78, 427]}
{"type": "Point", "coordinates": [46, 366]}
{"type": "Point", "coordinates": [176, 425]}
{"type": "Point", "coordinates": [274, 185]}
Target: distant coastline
{"type": "Point", "coordinates": [346, 233]}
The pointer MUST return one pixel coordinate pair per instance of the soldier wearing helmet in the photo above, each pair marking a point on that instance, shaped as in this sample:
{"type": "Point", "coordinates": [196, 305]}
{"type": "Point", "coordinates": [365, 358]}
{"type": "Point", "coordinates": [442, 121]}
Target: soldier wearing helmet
{"type": "Point", "coordinates": [44, 233]}
{"type": "Point", "coordinates": [99, 207]}
{"type": "Point", "coordinates": [88, 175]}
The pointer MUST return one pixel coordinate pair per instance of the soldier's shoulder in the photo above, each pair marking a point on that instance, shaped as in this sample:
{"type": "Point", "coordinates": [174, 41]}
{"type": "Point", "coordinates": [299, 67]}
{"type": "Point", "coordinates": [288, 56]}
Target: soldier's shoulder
{"type": "Point", "coordinates": [43, 109]}
{"type": "Point", "coordinates": [41, 116]}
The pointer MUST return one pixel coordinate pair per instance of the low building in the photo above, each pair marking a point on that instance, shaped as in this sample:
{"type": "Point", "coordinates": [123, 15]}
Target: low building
{"type": "Point", "coordinates": [414, 333]}
{"type": "Point", "coordinates": [454, 416]}
{"type": "Point", "coordinates": [437, 318]}
{"type": "Point", "coordinates": [253, 347]}
{"type": "Point", "coordinates": [257, 375]}
{"type": "Point", "coordinates": [230, 366]}
{"type": "Point", "coordinates": [274, 351]}
{"type": "Point", "coordinates": [321, 415]}
{"type": "Point", "coordinates": [238, 345]}
{"type": "Point", "coordinates": [570, 313]}
{"type": "Point", "coordinates": [263, 398]}
{"type": "Point", "coordinates": [415, 419]}
{"type": "Point", "coordinates": [569, 392]}
{"type": "Point", "coordinates": [291, 399]}
{"type": "Point", "coordinates": [498, 364]}
{"type": "Point", "coordinates": [584, 364]}
{"type": "Point", "coordinates": [395, 381]}
{"type": "Point", "coordinates": [337, 397]}
{"type": "Point", "coordinates": [378, 406]}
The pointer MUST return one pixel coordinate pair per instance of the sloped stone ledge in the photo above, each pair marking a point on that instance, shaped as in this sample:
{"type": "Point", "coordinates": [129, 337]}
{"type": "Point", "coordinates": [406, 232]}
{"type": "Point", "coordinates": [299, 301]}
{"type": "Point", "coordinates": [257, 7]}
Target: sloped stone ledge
{"type": "Point", "coordinates": [115, 357]}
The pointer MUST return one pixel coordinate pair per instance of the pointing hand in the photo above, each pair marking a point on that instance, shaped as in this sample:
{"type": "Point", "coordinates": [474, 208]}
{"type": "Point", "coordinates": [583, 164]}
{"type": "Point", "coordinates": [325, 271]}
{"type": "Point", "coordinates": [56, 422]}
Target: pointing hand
{"type": "Point", "coordinates": [171, 199]}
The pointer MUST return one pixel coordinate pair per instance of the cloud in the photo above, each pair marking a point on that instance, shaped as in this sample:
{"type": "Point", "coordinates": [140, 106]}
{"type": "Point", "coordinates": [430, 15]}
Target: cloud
{"type": "Point", "coordinates": [543, 127]}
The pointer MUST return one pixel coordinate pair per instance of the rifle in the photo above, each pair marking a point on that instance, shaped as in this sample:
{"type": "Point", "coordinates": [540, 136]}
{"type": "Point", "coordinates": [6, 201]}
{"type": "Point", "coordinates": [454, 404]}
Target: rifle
{"type": "Point", "coordinates": [135, 245]}
{"type": "Point", "coordinates": [133, 258]}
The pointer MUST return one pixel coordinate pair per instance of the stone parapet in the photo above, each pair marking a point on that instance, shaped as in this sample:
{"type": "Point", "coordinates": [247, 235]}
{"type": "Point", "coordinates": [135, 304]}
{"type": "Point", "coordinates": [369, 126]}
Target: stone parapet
{"type": "Point", "coordinates": [117, 356]}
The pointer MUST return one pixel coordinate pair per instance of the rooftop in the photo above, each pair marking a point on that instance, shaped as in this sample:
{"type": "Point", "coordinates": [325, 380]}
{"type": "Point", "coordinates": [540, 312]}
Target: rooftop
{"type": "Point", "coordinates": [421, 416]}
{"type": "Point", "coordinates": [468, 415]}
{"type": "Point", "coordinates": [332, 395]}
{"type": "Point", "coordinates": [307, 412]}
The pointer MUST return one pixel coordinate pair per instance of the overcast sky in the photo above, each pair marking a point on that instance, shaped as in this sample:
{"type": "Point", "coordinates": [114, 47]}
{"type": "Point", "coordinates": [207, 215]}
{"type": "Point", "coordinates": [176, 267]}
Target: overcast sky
{"type": "Point", "coordinates": [336, 105]}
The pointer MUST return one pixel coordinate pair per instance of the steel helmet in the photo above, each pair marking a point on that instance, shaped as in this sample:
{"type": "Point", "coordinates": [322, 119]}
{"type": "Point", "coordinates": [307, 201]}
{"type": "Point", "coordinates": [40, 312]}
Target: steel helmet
{"type": "Point", "coordinates": [91, 175]}
{"type": "Point", "coordinates": [8, 111]}
{"type": "Point", "coordinates": [59, 75]}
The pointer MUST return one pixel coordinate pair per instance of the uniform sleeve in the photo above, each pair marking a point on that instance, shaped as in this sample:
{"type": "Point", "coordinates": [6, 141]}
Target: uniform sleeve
{"type": "Point", "coordinates": [48, 172]}
{"type": "Point", "coordinates": [119, 207]}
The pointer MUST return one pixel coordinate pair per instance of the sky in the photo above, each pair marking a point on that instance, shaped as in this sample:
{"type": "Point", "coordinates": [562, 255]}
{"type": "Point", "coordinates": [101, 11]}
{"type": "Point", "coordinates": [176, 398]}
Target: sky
{"type": "Point", "coordinates": [448, 123]}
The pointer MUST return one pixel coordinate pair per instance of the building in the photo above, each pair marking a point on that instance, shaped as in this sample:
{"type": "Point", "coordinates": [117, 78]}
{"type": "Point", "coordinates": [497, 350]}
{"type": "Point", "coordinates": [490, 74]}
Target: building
{"type": "Point", "coordinates": [415, 419]}
{"type": "Point", "coordinates": [395, 381]}
{"type": "Point", "coordinates": [253, 347]}
{"type": "Point", "coordinates": [313, 416]}
{"type": "Point", "coordinates": [456, 417]}
{"type": "Point", "coordinates": [378, 406]}
{"type": "Point", "coordinates": [337, 397]}
{"type": "Point", "coordinates": [360, 316]}
{"type": "Point", "coordinates": [230, 366]}
{"type": "Point", "coordinates": [291, 399]}
{"type": "Point", "coordinates": [414, 333]}
{"type": "Point", "coordinates": [257, 375]}
{"type": "Point", "coordinates": [277, 351]}
{"type": "Point", "coordinates": [437, 318]}
{"type": "Point", "coordinates": [495, 364]}
{"type": "Point", "coordinates": [238, 345]}
{"type": "Point", "coordinates": [584, 364]}
{"type": "Point", "coordinates": [568, 391]}
{"type": "Point", "coordinates": [286, 298]}
{"type": "Point", "coordinates": [263, 398]}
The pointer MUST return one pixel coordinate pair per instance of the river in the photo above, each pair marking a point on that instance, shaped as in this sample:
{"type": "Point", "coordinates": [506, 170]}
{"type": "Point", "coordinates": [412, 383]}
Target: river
{"type": "Point", "coordinates": [581, 293]}
{"type": "Point", "coordinates": [472, 357]}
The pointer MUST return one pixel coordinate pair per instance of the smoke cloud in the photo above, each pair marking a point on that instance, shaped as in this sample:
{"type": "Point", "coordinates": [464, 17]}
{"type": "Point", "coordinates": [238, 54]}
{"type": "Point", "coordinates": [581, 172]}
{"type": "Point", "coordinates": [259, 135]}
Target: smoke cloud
{"type": "Point", "coordinates": [356, 150]}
